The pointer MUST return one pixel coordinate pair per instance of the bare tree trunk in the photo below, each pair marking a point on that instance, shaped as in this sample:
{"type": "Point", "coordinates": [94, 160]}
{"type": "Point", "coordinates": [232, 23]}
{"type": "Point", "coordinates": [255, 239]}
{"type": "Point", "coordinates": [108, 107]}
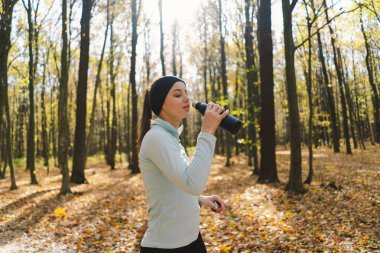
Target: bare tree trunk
{"type": "Point", "coordinates": [295, 176]}
{"type": "Point", "coordinates": [62, 109]}
{"type": "Point", "coordinates": [252, 78]}
{"type": "Point", "coordinates": [340, 82]}
{"type": "Point", "coordinates": [224, 79]}
{"type": "Point", "coordinates": [79, 159]}
{"type": "Point", "coordinates": [310, 98]}
{"type": "Point", "coordinates": [330, 96]}
{"type": "Point", "coordinates": [30, 160]}
{"type": "Point", "coordinates": [268, 167]}
{"type": "Point", "coordinates": [112, 134]}
{"type": "Point", "coordinates": [97, 83]}
{"type": "Point", "coordinates": [134, 165]}
{"type": "Point", "coordinates": [375, 93]}
{"type": "Point", "coordinates": [161, 39]}
{"type": "Point", "coordinates": [174, 48]}
{"type": "Point", "coordinates": [44, 134]}
{"type": "Point", "coordinates": [5, 45]}
{"type": "Point", "coordinates": [356, 95]}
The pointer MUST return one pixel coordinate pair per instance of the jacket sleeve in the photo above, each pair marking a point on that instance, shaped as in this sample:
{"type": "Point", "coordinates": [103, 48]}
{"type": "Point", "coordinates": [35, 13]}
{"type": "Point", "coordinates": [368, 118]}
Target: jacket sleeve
{"type": "Point", "coordinates": [191, 176]}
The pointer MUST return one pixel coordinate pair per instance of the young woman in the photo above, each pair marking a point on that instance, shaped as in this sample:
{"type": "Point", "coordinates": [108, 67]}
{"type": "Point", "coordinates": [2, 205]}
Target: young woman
{"type": "Point", "coordinates": [173, 183]}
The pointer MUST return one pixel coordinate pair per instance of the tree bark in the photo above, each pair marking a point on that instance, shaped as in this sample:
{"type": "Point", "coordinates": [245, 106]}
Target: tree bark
{"type": "Point", "coordinates": [5, 45]}
{"type": "Point", "coordinates": [224, 79]}
{"type": "Point", "coordinates": [79, 159]}
{"type": "Point", "coordinates": [63, 125]}
{"type": "Point", "coordinates": [134, 165]}
{"type": "Point", "coordinates": [340, 82]}
{"type": "Point", "coordinates": [295, 176]}
{"type": "Point", "coordinates": [44, 134]}
{"type": "Point", "coordinates": [30, 157]}
{"type": "Point", "coordinates": [161, 38]}
{"type": "Point", "coordinates": [375, 93]}
{"type": "Point", "coordinates": [268, 166]}
{"type": "Point", "coordinates": [252, 80]}
{"type": "Point", "coordinates": [97, 84]}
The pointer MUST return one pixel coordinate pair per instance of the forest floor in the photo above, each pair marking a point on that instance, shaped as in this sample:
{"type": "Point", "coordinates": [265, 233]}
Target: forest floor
{"type": "Point", "coordinates": [339, 213]}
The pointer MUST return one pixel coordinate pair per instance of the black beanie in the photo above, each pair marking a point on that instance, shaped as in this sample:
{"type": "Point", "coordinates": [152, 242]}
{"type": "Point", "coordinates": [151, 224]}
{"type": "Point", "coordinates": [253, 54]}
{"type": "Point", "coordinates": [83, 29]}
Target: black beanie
{"type": "Point", "coordinates": [159, 90]}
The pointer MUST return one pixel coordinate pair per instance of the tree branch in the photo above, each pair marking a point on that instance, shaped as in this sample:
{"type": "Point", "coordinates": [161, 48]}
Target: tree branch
{"type": "Point", "coordinates": [292, 5]}
{"type": "Point", "coordinates": [323, 26]}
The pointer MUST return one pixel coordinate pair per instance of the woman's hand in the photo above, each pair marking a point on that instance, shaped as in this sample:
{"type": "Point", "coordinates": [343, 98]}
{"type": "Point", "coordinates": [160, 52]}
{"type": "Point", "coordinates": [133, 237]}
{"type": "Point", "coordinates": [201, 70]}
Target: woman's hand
{"type": "Point", "coordinates": [213, 115]}
{"type": "Point", "coordinates": [210, 201]}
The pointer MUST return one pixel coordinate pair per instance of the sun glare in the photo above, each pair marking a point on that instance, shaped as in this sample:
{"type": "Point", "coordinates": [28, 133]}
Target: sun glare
{"type": "Point", "coordinates": [181, 10]}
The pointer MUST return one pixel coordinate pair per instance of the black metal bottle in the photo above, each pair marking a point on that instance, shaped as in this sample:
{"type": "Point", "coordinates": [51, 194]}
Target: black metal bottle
{"type": "Point", "coordinates": [229, 123]}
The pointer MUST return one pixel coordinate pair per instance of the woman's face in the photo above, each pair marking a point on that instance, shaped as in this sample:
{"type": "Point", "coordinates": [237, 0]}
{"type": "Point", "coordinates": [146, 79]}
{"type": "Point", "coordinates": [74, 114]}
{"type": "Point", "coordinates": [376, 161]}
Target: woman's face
{"type": "Point", "coordinates": [177, 103]}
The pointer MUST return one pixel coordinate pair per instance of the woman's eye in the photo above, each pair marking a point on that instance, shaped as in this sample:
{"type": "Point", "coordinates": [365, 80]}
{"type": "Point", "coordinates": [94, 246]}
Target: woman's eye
{"type": "Point", "coordinates": [177, 96]}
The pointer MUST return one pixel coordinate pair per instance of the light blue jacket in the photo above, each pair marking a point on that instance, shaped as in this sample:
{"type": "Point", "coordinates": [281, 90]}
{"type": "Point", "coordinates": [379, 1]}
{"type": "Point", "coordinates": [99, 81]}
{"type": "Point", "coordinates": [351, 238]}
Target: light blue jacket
{"type": "Point", "coordinates": [172, 184]}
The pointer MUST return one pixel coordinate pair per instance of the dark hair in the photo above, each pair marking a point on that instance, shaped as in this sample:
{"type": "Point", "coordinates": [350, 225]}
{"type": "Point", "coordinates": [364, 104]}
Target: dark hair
{"type": "Point", "coordinates": [145, 119]}
{"type": "Point", "coordinates": [154, 98]}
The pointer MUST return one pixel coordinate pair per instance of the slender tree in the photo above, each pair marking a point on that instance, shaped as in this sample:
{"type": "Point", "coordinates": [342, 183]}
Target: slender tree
{"type": "Point", "coordinates": [339, 72]}
{"type": "Point", "coordinates": [44, 133]}
{"type": "Point", "coordinates": [79, 158]}
{"type": "Point", "coordinates": [224, 76]}
{"type": "Point", "coordinates": [97, 84]}
{"type": "Point", "coordinates": [295, 177]}
{"type": "Point", "coordinates": [30, 161]}
{"type": "Point", "coordinates": [370, 70]}
{"type": "Point", "coordinates": [268, 167]}
{"type": "Point", "coordinates": [134, 166]}
{"type": "Point", "coordinates": [161, 39]}
{"type": "Point", "coordinates": [174, 48]}
{"type": "Point", "coordinates": [62, 108]}
{"type": "Point", "coordinates": [252, 78]}
{"type": "Point", "coordinates": [5, 45]}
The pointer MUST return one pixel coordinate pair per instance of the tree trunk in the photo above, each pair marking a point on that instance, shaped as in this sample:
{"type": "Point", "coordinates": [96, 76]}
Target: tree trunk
{"type": "Point", "coordinates": [340, 82]}
{"type": "Point", "coordinates": [375, 93]}
{"type": "Point", "coordinates": [310, 99]}
{"type": "Point", "coordinates": [134, 165]}
{"type": "Point", "coordinates": [62, 109]}
{"type": "Point", "coordinates": [330, 96]}
{"type": "Point", "coordinates": [44, 134]}
{"type": "Point", "coordinates": [112, 135]}
{"type": "Point", "coordinates": [5, 45]}
{"type": "Point", "coordinates": [350, 104]}
{"type": "Point", "coordinates": [295, 176]}
{"type": "Point", "coordinates": [30, 158]}
{"type": "Point", "coordinates": [79, 159]}
{"type": "Point", "coordinates": [357, 110]}
{"type": "Point", "coordinates": [97, 83]}
{"type": "Point", "coordinates": [251, 80]}
{"type": "Point", "coordinates": [174, 48]}
{"type": "Point", "coordinates": [161, 37]}
{"type": "Point", "coordinates": [268, 167]}
{"type": "Point", "coordinates": [224, 80]}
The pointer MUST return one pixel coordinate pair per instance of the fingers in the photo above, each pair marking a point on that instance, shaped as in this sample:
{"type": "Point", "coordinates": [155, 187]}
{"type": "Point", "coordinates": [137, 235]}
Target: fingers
{"type": "Point", "coordinates": [218, 208]}
{"type": "Point", "coordinates": [217, 108]}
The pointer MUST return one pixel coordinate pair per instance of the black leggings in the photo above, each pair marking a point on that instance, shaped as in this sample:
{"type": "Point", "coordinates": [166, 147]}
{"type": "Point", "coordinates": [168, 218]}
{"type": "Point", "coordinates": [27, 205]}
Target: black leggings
{"type": "Point", "coordinates": [197, 246]}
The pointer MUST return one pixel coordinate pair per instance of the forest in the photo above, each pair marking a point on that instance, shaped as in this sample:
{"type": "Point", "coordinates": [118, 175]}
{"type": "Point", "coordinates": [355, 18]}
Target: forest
{"type": "Point", "coordinates": [301, 175]}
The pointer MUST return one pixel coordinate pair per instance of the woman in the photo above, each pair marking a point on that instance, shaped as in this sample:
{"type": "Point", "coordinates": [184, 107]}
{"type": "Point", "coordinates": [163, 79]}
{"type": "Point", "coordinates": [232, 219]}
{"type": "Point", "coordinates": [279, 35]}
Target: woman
{"type": "Point", "coordinates": [173, 183]}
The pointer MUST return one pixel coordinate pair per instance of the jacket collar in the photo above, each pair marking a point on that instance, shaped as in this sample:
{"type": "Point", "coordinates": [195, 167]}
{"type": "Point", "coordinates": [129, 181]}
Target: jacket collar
{"type": "Point", "coordinates": [168, 127]}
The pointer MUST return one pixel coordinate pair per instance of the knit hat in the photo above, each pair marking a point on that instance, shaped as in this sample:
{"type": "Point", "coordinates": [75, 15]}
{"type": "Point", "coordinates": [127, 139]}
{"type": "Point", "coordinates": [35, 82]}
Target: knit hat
{"type": "Point", "coordinates": [159, 90]}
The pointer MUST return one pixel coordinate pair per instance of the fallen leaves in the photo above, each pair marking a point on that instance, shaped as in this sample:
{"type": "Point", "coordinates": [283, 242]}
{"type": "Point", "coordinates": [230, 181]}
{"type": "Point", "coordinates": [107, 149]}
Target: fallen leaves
{"type": "Point", "coordinates": [109, 214]}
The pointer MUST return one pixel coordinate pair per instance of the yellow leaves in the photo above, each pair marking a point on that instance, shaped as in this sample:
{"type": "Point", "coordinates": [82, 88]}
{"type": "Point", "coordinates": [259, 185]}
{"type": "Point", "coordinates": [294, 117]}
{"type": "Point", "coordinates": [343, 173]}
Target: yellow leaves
{"type": "Point", "coordinates": [116, 224]}
{"type": "Point", "coordinates": [288, 214]}
{"type": "Point", "coordinates": [226, 249]}
{"type": "Point", "coordinates": [60, 212]}
{"type": "Point", "coordinates": [96, 242]}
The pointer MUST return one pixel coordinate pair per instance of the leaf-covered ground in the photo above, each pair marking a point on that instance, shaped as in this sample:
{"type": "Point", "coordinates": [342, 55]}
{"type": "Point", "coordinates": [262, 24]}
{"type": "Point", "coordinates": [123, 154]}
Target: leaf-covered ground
{"type": "Point", "coordinates": [340, 212]}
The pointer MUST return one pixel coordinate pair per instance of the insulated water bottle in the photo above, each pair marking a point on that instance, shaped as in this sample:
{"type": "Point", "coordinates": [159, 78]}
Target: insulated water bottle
{"type": "Point", "coordinates": [229, 123]}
